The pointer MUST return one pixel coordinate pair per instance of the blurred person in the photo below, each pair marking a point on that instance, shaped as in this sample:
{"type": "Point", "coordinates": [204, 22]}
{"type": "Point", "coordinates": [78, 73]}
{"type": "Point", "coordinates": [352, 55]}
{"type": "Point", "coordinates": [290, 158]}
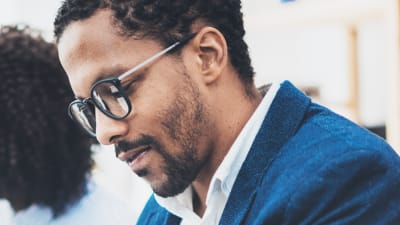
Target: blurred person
{"type": "Point", "coordinates": [45, 163]}
{"type": "Point", "coordinates": [170, 84]}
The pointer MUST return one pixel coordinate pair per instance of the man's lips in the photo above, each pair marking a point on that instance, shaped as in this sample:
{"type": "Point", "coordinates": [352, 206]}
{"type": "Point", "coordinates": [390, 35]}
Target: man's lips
{"type": "Point", "coordinates": [130, 155]}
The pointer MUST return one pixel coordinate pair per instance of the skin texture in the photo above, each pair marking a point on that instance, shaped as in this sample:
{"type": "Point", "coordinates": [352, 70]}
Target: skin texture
{"type": "Point", "coordinates": [188, 107]}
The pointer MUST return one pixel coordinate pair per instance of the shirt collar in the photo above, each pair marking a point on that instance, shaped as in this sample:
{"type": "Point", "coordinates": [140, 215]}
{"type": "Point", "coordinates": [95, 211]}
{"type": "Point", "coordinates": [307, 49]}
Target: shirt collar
{"type": "Point", "coordinates": [228, 170]}
{"type": "Point", "coordinates": [226, 174]}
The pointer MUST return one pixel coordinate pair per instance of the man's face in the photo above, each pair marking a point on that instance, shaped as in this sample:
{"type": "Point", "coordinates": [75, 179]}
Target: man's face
{"type": "Point", "coordinates": [164, 138]}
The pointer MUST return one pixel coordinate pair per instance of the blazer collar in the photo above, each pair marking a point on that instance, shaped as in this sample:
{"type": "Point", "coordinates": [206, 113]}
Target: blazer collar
{"type": "Point", "coordinates": [280, 124]}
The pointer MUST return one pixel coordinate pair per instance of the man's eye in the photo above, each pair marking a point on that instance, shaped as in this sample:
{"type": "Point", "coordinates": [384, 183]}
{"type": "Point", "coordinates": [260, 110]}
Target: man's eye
{"type": "Point", "coordinates": [114, 92]}
{"type": "Point", "coordinates": [129, 85]}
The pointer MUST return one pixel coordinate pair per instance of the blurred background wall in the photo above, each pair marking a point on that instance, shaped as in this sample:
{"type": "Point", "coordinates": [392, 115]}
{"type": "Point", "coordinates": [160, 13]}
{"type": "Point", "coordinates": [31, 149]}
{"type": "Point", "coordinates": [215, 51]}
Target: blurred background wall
{"type": "Point", "coordinates": [337, 57]}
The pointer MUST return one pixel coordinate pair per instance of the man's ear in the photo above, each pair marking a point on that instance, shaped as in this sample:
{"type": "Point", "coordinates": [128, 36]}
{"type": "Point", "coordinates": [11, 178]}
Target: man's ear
{"type": "Point", "coordinates": [212, 53]}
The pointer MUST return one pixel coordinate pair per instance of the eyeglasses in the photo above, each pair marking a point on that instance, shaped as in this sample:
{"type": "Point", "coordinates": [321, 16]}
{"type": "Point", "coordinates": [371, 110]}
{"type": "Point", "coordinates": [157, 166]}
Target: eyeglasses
{"type": "Point", "coordinates": [110, 97]}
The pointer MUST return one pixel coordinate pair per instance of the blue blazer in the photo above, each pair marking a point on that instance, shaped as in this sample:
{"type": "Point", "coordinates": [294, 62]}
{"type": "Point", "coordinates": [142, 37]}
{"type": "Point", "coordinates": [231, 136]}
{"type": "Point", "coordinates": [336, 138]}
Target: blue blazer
{"type": "Point", "coordinates": [308, 165]}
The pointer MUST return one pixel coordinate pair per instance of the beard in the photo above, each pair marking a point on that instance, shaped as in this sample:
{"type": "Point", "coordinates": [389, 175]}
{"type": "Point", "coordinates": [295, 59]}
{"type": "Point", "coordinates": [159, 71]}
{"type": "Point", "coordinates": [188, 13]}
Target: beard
{"type": "Point", "coordinates": [184, 122]}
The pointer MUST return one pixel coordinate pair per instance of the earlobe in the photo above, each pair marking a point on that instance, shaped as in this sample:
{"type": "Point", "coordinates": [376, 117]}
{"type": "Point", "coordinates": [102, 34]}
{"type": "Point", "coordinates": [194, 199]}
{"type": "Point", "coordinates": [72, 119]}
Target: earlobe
{"type": "Point", "coordinates": [213, 55]}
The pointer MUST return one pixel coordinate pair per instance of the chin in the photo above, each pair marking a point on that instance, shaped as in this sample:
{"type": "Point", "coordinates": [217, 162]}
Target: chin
{"type": "Point", "coordinates": [167, 189]}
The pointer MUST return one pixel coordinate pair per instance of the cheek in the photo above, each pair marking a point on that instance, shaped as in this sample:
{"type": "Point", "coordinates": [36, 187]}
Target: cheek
{"type": "Point", "coordinates": [160, 86]}
{"type": "Point", "coordinates": [151, 106]}
{"type": "Point", "coordinates": [156, 168]}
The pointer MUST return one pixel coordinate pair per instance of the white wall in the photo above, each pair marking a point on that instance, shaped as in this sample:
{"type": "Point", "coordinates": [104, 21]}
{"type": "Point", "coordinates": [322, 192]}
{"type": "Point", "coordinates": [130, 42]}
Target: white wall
{"type": "Point", "coordinates": [318, 56]}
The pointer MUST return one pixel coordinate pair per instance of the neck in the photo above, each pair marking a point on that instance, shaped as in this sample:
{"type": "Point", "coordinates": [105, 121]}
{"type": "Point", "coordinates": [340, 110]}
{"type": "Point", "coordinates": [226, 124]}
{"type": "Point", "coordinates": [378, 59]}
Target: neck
{"type": "Point", "coordinates": [233, 108]}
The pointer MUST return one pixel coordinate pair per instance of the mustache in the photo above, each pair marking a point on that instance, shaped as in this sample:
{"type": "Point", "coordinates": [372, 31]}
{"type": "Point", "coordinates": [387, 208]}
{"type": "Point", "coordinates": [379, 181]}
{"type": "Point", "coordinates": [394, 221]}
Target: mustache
{"type": "Point", "coordinates": [124, 146]}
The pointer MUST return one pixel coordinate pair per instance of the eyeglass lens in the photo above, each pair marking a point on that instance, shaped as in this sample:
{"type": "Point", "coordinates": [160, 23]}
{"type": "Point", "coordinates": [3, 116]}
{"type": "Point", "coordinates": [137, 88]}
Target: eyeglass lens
{"type": "Point", "coordinates": [108, 99]}
{"type": "Point", "coordinates": [83, 113]}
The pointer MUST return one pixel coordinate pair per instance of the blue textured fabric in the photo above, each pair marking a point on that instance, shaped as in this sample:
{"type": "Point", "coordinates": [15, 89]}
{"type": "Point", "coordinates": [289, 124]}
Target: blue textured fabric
{"type": "Point", "coordinates": [308, 165]}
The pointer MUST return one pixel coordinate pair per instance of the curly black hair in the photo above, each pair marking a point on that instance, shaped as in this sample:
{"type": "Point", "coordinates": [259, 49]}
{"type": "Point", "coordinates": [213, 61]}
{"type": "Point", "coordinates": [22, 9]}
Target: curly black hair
{"type": "Point", "coordinates": [43, 158]}
{"type": "Point", "coordinates": [168, 21]}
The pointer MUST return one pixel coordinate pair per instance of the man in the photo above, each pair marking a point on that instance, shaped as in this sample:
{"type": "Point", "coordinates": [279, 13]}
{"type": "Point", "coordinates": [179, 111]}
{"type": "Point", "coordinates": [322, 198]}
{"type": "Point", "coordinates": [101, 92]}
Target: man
{"type": "Point", "coordinates": [45, 164]}
{"type": "Point", "coordinates": [170, 84]}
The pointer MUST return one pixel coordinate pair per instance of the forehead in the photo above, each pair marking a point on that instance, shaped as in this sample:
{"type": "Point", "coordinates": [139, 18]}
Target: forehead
{"type": "Point", "coordinates": [91, 49]}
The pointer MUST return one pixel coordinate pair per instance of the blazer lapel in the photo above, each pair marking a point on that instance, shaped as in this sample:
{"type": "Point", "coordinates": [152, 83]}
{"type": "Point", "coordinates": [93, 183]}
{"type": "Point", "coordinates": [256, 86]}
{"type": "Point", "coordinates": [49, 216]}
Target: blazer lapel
{"type": "Point", "coordinates": [281, 122]}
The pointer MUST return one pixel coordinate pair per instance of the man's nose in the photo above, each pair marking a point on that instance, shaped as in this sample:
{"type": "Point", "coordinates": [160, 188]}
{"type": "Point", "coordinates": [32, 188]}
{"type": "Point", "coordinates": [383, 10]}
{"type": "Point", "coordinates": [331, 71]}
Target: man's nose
{"type": "Point", "coordinates": [109, 130]}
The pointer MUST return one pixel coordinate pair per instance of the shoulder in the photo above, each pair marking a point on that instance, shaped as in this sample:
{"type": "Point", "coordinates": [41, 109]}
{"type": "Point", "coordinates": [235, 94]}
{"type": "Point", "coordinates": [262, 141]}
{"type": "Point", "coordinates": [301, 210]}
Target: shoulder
{"type": "Point", "coordinates": [333, 170]}
{"type": "Point", "coordinates": [324, 133]}
{"type": "Point", "coordinates": [360, 185]}
{"type": "Point", "coordinates": [329, 148]}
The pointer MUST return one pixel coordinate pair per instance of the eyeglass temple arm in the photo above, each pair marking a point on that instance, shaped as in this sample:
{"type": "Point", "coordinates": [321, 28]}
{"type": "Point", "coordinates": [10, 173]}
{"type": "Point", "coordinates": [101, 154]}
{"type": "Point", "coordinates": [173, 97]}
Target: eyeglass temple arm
{"type": "Point", "coordinates": [156, 56]}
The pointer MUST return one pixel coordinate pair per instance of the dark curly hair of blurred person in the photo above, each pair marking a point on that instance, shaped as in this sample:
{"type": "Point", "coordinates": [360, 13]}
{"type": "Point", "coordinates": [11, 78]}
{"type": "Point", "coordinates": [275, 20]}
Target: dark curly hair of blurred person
{"type": "Point", "coordinates": [43, 159]}
{"type": "Point", "coordinates": [167, 22]}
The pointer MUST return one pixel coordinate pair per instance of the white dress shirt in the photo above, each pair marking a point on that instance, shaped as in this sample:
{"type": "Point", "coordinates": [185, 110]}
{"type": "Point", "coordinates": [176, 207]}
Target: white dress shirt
{"type": "Point", "coordinates": [225, 176]}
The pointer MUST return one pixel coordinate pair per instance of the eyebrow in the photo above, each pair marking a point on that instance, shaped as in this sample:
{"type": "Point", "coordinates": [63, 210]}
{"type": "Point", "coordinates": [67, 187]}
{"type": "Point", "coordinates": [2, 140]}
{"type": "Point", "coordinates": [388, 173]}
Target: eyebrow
{"type": "Point", "coordinates": [108, 73]}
